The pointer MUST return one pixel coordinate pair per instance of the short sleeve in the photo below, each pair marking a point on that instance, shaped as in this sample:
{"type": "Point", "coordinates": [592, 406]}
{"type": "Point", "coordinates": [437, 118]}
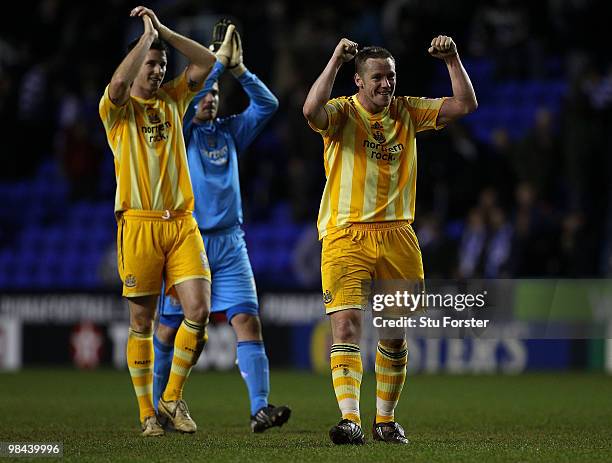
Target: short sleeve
{"type": "Point", "coordinates": [424, 112]}
{"type": "Point", "coordinates": [336, 116]}
{"type": "Point", "coordinates": [109, 111]}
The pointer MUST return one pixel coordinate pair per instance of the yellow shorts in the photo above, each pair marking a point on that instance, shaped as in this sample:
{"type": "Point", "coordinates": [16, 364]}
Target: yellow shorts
{"type": "Point", "coordinates": [355, 256]}
{"type": "Point", "coordinates": [152, 245]}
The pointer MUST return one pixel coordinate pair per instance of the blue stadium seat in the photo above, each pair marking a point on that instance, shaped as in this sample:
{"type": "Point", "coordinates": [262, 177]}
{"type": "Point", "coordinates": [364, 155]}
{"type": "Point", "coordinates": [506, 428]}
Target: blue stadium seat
{"type": "Point", "coordinates": [259, 261]}
{"type": "Point", "coordinates": [7, 260]}
{"type": "Point", "coordinates": [508, 93]}
{"type": "Point", "coordinates": [46, 280]}
{"type": "Point", "coordinates": [35, 212]}
{"type": "Point", "coordinates": [282, 213]}
{"type": "Point", "coordinates": [454, 229]}
{"type": "Point", "coordinates": [479, 69]}
{"type": "Point", "coordinates": [482, 133]}
{"type": "Point", "coordinates": [55, 239]}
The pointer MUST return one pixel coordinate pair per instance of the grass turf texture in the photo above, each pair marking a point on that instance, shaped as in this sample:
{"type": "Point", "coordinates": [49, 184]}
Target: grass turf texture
{"type": "Point", "coordinates": [539, 417]}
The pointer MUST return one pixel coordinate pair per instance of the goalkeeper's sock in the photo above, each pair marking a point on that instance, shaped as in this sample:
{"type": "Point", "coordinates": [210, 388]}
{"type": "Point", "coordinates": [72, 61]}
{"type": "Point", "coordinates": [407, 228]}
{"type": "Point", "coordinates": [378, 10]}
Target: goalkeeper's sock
{"type": "Point", "coordinates": [139, 354]}
{"type": "Point", "coordinates": [188, 345]}
{"type": "Point", "coordinates": [254, 368]}
{"type": "Point", "coordinates": [347, 371]}
{"type": "Point", "coordinates": [390, 377]}
{"type": "Point", "coordinates": [161, 369]}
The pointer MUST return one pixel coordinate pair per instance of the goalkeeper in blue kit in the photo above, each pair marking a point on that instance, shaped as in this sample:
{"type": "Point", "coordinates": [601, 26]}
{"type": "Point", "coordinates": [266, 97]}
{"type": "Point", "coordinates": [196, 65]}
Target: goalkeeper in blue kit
{"type": "Point", "coordinates": [213, 146]}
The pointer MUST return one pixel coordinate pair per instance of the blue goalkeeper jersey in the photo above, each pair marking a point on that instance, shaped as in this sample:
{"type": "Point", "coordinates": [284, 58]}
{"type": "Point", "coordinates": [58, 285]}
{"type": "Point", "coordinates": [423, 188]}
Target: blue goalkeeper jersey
{"type": "Point", "coordinates": [213, 148]}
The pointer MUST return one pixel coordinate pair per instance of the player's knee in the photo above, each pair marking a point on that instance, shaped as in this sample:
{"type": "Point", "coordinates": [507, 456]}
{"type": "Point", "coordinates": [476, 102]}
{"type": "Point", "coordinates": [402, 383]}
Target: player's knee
{"type": "Point", "coordinates": [345, 332]}
{"type": "Point", "coordinates": [346, 329]}
{"type": "Point", "coordinates": [142, 313]}
{"type": "Point", "coordinates": [194, 296]}
{"type": "Point", "coordinates": [197, 309]}
{"type": "Point", "coordinates": [141, 323]}
{"type": "Point", "coordinates": [247, 326]}
{"type": "Point", "coordinates": [200, 312]}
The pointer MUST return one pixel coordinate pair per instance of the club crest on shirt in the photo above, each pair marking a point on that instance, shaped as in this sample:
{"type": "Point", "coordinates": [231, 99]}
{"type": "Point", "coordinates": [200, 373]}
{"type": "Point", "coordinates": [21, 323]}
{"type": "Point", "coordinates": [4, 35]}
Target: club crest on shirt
{"type": "Point", "coordinates": [155, 129]}
{"type": "Point", "coordinates": [327, 296]}
{"type": "Point", "coordinates": [377, 126]}
{"type": "Point", "coordinates": [152, 115]}
{"type": "Point", "coordinates": [211, 141]}
{"type": "Point", "coordinates": [379, 137]}
{"type": "Point", "coordinates": [130, 281]}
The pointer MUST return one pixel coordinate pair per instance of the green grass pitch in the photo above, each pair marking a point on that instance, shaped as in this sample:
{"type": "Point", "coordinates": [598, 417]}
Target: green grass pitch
{"type": "Point", "coordinates": [536, 417]}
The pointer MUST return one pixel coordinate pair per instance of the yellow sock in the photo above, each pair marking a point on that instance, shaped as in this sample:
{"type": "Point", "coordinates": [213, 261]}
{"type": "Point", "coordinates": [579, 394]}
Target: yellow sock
{"type": "Point", "coordinates": [139, 355]}
{"type": "Point", "coordinates": [347, 371]}
{"type": "Point", "coordinates": [188, 345]}
{"type": "Point", "coordinates": [390, 377]}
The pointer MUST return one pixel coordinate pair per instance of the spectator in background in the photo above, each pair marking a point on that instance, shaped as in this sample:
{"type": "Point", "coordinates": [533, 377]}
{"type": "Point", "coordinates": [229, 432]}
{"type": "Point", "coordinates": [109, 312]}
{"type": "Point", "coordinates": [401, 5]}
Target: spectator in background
{"type": "Point", "coordinates": [80, 158]}
{"type": "Point", "coordinates": [9, 71]}
{"type": "Point", "coordinates": [502, 31]}
{"type": "Point", "coordinates": [79, 144]}
{"type": "Point", "coordinates": [107, 268]}
{"type": "Point", "coordinates": [499, 246]}
{"type": "Point", "coordinates": [536, 158]}
{"type": "Point", "coordinates": [535, 234]}
{"type": "Point", "coordinates": [438, 251]}
{"type": "Point", "coordinates": [574, 257]}
{"type": "Point", "coordinates": [465, 173]}
{"type": "Point", "coordinates": [472, 245]}
{"type": "Point", "coordinates": [587, 115]}
{"type": "Point", "coordinates": [307, 259]}
{"type": "Point", "coordinates": [497, 167]}
{"type": "Point", "coordinates": [35, 114]}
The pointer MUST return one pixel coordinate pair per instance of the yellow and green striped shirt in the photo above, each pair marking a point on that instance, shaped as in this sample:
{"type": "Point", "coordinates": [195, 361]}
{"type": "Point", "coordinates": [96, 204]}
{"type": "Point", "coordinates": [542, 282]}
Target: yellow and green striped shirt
{"type": "Point", "coordinates": [146, 137]}
{"type": "Point", "coordinates": [371, 160]}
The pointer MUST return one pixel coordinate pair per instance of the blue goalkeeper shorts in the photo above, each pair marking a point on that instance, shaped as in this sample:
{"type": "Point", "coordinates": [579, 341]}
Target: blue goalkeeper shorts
{"type": "Point", "coordinates": [233, 284]}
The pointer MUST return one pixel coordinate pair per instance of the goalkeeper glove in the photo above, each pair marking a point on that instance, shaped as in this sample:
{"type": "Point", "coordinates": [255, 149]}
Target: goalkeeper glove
{"type": "Point", "coordinates": [218, 34]}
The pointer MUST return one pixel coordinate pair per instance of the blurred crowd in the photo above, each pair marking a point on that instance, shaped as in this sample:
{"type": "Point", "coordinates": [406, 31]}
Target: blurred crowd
{"type": "Point", "coordinates": [537, 204]}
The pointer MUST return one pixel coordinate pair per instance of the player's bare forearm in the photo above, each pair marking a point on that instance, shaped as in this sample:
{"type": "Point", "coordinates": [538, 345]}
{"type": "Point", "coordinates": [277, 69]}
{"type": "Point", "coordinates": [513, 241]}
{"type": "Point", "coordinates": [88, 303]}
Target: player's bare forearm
{"type": "Point", "coordinates": [463, 101]}
{"type": "Point", "coordinates": [201, 59]}
{"type": "Point", "coordinates": [320, 91]}
{"type": "Point", "coordinates": [319, 94]}
{"type": "Point", "coordinates": [463, 89]}
{"type": "Point", "coordinates": [126, 72]}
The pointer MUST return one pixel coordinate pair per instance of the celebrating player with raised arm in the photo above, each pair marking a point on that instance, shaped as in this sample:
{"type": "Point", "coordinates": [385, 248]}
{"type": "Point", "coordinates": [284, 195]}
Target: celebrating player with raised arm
{"type": "Point", "coordinates": [366, 211]}
{"type": "Point", "coordinates": [213, 146]}
{"type": "Point", "coordinates": [157, 234]}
